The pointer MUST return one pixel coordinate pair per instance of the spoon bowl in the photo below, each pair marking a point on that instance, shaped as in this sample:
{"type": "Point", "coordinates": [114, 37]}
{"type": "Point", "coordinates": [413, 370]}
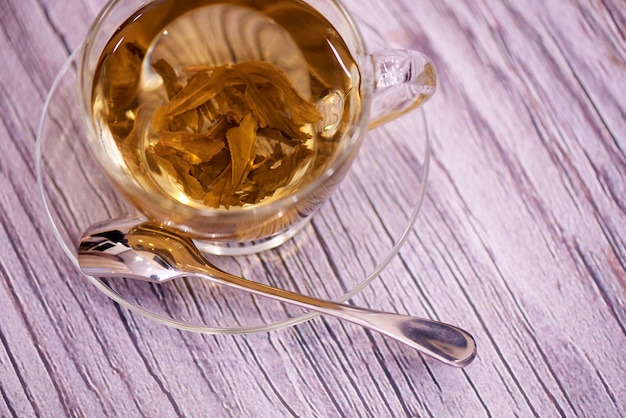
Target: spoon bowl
{"type": "Point", "coordinates": [138, 249]}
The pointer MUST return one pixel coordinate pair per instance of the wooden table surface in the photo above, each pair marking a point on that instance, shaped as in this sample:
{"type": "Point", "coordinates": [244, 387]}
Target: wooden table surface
{"type": "Point", "coordinates": [520, 241]}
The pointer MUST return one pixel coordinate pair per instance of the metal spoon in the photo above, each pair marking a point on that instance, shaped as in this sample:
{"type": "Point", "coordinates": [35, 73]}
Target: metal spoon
{"type": "Point", "coordinates": [134, 248]}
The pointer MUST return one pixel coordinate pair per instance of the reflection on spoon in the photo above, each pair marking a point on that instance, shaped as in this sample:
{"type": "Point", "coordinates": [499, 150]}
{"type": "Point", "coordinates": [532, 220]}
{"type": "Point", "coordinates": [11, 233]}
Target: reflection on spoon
{"type": "Point", "coordinates": [136, 249]}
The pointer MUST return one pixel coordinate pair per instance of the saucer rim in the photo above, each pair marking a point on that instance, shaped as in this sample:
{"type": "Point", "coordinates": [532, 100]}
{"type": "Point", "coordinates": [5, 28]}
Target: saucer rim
{"type": "Point", "coordinates": [100, 284]}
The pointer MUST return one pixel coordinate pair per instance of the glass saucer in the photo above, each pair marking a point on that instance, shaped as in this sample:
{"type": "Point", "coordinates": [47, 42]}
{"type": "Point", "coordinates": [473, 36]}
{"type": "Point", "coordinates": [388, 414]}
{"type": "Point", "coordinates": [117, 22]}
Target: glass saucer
{"type": "Point", "coordinates": [347, 244]}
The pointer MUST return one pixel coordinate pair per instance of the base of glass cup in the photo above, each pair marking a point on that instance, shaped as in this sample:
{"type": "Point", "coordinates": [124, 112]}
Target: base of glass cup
{"type": "Point", "coordinates": [251, 247]}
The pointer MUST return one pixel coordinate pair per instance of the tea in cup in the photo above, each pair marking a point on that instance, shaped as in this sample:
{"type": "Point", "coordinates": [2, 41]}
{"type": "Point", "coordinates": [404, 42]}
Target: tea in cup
{"type": "Point", "coordinates": [232, 121]}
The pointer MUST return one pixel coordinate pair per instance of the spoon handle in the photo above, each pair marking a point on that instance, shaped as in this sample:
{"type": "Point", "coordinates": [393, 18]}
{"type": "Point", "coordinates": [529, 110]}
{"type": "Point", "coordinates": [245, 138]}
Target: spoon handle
{"type": "Point", "coordinates": [444, 342]}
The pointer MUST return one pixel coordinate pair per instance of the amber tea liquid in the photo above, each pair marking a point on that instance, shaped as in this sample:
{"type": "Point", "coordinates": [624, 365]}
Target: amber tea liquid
{"type": "Point", "coordinates": [287, 97]}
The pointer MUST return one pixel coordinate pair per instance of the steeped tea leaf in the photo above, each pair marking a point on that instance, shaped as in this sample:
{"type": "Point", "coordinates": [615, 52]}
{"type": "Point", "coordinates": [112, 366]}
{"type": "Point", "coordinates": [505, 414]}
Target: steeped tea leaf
{"type": "Point", "coordinates": [241, 142]}
{"type": "Point", "coordinates": [302, 111]}
{"type": "Point", "coordinates": [168, 159]}
{"type": "Point", "coordinates": [201, 88]}
{"type": "Point", "coordinates": [269, 116]}
{"type": "Point", "coordinates": [198, 147]}
{"type": "Point", "coordinates": [169, 76]}
{"type": "Point", "coordinates": [236, 130]}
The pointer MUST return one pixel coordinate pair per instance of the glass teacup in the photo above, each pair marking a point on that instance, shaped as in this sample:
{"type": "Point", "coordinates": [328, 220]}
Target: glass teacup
{"type": "Point", "coordinates": [296, 83]}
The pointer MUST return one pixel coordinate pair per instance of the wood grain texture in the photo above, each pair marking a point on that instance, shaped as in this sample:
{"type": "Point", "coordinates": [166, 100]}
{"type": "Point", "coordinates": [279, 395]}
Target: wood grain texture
{"type": "Point", "coordinates": [520, 241]}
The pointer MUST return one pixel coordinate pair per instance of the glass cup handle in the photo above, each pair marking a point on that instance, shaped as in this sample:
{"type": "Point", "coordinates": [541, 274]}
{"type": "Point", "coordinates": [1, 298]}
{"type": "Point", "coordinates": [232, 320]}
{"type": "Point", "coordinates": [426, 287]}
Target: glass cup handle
{"type": "Point", "coordinates": [403, 80]}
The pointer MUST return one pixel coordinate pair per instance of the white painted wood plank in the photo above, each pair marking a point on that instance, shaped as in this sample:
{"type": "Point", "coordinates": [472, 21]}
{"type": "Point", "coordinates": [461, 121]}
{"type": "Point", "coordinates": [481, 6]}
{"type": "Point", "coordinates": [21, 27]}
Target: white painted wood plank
{"type": "Point", "coordinates": [520, 241]}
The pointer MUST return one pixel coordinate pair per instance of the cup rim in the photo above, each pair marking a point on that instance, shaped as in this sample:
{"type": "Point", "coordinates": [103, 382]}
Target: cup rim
{"type": "Point", "coordinates": [356, 132]}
